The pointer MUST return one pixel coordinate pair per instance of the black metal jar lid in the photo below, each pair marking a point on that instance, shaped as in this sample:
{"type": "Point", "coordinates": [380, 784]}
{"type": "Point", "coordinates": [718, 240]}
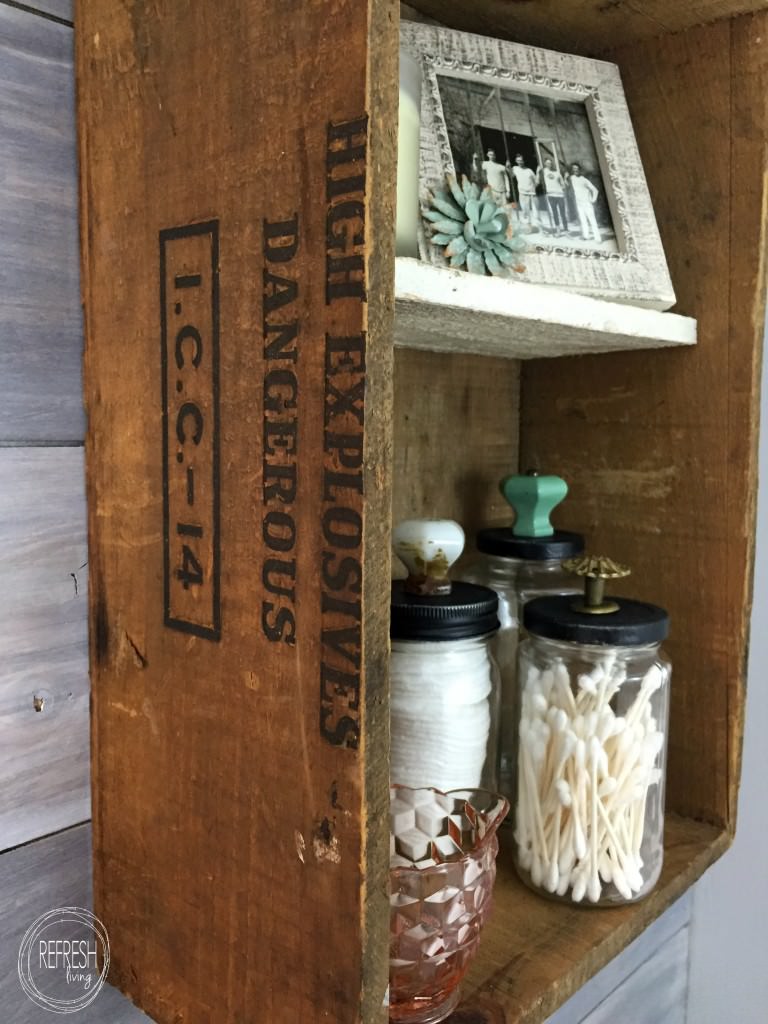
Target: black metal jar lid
{"type": "Point", "coordinates": [469, 610]}
{"type": "Point", "coordinates": [427, 605]}
{"type": "Point", "coordinates": [595, 618]}
{"type": "Point", "coordinates": [502, 541]}
{"type": "Point", "coordinates": [532, 538]}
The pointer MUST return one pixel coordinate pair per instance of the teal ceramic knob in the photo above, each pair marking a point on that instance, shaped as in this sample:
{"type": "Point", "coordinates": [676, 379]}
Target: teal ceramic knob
{"type": "Point", "coordinates": [533, 498]}
{"type": "Point", "coordinates": [519, 563]}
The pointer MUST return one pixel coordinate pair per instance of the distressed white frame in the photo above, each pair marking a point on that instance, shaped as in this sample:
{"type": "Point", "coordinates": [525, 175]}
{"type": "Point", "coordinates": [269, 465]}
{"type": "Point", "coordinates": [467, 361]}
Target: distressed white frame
{"type": "Point", "coordinates": [637, 274]}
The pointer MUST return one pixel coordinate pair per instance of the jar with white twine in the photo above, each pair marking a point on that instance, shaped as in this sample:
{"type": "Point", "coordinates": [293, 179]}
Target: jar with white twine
{"type": "Point", "coordinates": [593, 723]}
{"type": "Point", "coordinates": [521, 562]}
{"type": "Point", "coordinates": [444, 683]}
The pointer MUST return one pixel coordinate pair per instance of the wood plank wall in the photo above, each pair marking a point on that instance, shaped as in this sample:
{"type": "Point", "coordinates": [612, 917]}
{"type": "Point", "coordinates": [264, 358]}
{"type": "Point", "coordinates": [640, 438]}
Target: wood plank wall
{"type": "Point", "coordinates": [55, 872]}
{"type": "Point", "coordinates": [44, 778]}
{"type": "Point", "coordinates": [43, 560]}
{"type": "Point", "coordinates": [45, 853]}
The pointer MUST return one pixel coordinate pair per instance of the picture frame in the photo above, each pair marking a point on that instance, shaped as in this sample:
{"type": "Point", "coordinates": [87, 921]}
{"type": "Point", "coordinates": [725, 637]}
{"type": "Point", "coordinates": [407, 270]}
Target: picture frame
{"type": "Point", "coordinates": [551, 135]}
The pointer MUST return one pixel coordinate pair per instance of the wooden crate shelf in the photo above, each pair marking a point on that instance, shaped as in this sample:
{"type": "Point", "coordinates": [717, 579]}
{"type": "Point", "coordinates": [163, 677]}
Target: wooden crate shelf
{"type": "Point", "coordinates": [536, 953]}
{"type": "Point", "coordinates": [443, 310]}
{"type": "Point", "coordinates": [246, 723]}
{"type": "Point", "coordinates": [581, 26]}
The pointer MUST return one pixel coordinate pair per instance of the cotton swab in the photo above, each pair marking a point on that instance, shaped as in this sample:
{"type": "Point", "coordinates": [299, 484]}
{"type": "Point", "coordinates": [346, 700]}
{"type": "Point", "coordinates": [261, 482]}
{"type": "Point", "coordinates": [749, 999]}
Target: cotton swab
{"type": "Point", "coordinates": [585, 773]}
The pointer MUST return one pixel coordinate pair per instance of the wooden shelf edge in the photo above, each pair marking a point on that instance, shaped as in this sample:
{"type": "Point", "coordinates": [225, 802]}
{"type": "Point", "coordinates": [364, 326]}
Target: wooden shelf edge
{"type": "Point", "coordinates": [586, 27]}
{"type": "Point", "coordinates": [535, 953]}
{"type": "Point", "coordinates": [443, 310]}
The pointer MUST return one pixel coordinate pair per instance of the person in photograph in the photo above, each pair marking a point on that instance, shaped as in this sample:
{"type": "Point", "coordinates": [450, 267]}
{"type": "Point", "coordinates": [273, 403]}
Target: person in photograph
{"type": "Point", "coordinates": [554, 186]}
{"type": "Point", "coordinates": [513, 206]}
{"type": "Point", "coordinates": [496, 177]}
{"type": "Point", "coordinates": [476, 170]}
{"type": "Point", "coordinates": [525, 180]}
{"type": "Point", "coordinates": [585, 195]}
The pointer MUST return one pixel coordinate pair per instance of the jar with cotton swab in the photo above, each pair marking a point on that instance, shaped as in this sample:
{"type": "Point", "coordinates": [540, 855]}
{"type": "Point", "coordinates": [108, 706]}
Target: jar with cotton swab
{"type": "Point", "coordinates": [444, 683]}
{"type": "Point", "coordinates": [593, 727]}
{"type": "Point", "coordinates": [521, 562]}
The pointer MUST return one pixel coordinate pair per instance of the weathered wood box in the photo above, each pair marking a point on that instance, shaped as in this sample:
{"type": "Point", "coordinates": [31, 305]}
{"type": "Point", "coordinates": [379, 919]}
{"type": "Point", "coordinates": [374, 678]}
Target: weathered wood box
{"type": "Point", "coordinates": [252, 433]}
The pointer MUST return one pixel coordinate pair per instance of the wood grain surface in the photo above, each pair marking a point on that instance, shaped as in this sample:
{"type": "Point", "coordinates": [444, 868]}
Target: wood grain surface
{"type": "Point", "coordinates": [443, 310]}
{"type": "Point", "coordinates": [240, 762]}
{"type": "Point", "coordinates": [580, 26]}
{"type": "Point", "coordinates": [535, 953]}
{"type": "Point", "coordinates": [43, 643]}
{"type": "Point", "coordinates": [455, 436]}
{"type": "Point", "coordinates": [655, 992]}
{"type": "Point", "coordinates": [53, 872]}
{"type": "Point", "coordinates": [40, 317]}
{"type": "Point", "coordinates": [647, 957]}
{"type": "Point", "coordinates": [661, 449]}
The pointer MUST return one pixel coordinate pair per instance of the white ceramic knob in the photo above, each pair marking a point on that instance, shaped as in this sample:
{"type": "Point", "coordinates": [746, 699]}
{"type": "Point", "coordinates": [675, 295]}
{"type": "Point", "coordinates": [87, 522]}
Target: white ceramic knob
{"type": "Point", "coordinates": [428, 547]}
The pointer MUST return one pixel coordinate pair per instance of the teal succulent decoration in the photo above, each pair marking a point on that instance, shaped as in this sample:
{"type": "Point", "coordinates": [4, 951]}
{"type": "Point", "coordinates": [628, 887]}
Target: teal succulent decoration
{"type": "Point", "coordinates": [474, 230]}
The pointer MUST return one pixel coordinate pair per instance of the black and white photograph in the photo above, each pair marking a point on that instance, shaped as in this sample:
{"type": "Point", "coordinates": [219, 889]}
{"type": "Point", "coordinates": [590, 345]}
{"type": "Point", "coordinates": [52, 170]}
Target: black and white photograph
{"type": "Point", "coordinates": [551, 135]}
{"type": "Point", "coordinates": [537, 155]}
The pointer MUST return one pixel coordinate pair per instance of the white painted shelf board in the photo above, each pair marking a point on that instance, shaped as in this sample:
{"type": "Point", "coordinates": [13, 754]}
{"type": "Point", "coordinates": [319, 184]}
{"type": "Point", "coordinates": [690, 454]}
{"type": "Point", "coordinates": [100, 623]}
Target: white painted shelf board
{"type": "Point", "coordinates": [445, 310]}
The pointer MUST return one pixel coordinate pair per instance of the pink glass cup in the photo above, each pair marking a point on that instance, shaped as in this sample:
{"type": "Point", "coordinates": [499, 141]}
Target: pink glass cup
{"type": "Point", "coordinates": [443, 866]}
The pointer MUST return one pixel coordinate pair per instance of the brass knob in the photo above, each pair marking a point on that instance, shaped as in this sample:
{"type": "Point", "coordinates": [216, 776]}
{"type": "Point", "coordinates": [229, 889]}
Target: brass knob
{"type": "Point", "coordinates": [595, 569]}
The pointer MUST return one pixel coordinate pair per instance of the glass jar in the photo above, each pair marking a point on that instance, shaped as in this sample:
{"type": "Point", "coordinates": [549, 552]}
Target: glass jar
{"type": "Point", "coordinates": [444, 682]}
{"type": "Point", "coordinates": [593, 722]}
{"type": "Point", "coordinates": [518, 569]}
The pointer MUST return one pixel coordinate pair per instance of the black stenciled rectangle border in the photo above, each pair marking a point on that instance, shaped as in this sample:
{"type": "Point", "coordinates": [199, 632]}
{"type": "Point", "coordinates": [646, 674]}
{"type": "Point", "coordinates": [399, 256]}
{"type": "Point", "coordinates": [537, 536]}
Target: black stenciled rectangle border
{"type": "Point", "coordinates": [169, 234]}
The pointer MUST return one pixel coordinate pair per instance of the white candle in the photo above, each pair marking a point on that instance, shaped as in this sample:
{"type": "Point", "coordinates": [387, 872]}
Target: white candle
{"type": "Point", "coordinates": [408, 157]}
